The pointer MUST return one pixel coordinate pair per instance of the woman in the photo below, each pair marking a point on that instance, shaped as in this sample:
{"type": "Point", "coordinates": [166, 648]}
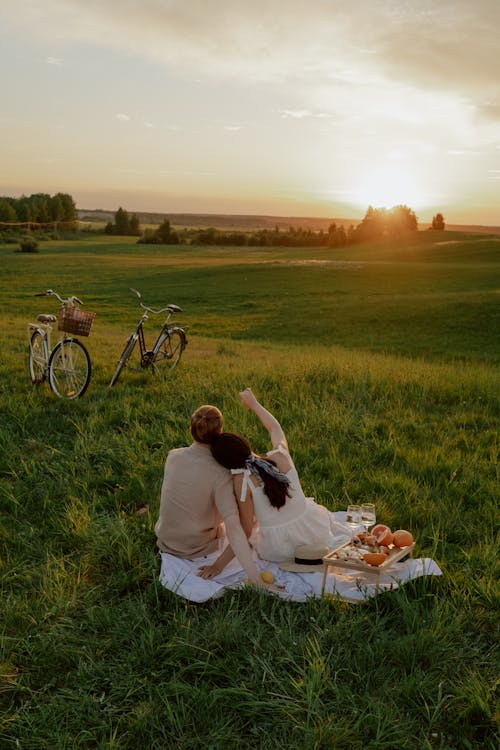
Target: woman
{"type": "Point", "coordinates": [269, 487]}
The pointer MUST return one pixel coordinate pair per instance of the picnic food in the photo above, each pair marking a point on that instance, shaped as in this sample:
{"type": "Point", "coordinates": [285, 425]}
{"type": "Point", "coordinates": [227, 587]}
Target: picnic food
{"type": "Point", "coordinates": [384, 536]}
{"type": "Point", "coordinates": [375, 558]}
{"type": "Point", "coordinates": [402, 538]}
{"type": "Point", "coordinates": [267, 576]}
{"type": "Point", "coordinates": [378, 547]}
{"type": "Point", "coordinates": [378, 528]}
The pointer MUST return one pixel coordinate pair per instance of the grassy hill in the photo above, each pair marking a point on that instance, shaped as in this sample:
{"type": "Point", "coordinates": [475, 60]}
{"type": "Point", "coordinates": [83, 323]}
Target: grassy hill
{"type": "Point", "coordinates": [381, 361]}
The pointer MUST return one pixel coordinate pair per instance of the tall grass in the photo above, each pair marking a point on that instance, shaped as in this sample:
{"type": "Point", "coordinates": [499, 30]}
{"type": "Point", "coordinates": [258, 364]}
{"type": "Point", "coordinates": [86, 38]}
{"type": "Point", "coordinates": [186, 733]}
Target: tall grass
{"type": "Point", "coordinates": [96, 654]}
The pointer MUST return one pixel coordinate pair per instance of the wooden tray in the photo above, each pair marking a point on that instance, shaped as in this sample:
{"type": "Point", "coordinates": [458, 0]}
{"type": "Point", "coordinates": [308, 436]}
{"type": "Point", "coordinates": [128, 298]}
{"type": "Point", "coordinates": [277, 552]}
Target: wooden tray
{"type": "Point", "coordinates": [358, 564]}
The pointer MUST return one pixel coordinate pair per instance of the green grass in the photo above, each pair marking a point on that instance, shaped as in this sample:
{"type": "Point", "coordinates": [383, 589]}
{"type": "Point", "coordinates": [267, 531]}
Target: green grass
{"type": "Point", "coordinates": [384, 373]}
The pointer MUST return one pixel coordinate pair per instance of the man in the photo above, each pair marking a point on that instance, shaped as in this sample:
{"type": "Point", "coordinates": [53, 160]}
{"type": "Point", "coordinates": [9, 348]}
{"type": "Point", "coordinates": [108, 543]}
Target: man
{"type": "Point", "coordinates": [198, 503]}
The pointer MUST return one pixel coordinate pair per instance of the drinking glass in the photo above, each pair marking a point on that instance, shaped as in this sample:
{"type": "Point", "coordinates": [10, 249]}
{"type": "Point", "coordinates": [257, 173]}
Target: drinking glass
{"type": "Point", "coordinates": [353, 516]}
{"type": "Point", "coordinates": [368, 515]}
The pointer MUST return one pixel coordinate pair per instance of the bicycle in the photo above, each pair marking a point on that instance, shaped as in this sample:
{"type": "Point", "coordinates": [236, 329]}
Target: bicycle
{"type": "Point", "coordinates": [168, 347]}
{"type": "Point", "coordinates": [67, 366]}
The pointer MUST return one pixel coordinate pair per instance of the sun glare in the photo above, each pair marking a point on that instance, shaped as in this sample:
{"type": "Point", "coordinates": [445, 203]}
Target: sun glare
{"type": "Point", "coordinates": [387, 186]}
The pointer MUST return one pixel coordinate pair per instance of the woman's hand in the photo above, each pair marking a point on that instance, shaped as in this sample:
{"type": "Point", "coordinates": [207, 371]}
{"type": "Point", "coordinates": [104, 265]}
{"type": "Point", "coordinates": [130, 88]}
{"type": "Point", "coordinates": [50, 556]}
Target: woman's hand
{"type": "Point", "coordinates": [208, 571]}
{"type": "Point", "coordinates": [248, 399]}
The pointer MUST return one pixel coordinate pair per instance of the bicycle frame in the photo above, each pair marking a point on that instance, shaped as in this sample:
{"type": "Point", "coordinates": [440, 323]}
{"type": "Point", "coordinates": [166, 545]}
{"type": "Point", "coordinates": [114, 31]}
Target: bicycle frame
{"type": "Point", "coordinates": [140, 337]}
{"type": "Point", "coordinates": [147, 355]}
{"type": "Point", "coordinates": [45, 331]}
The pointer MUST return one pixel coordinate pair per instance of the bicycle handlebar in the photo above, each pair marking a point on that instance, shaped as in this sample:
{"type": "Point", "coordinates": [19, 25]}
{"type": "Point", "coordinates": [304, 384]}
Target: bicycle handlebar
{"type": "Point", "coordinates": [168, 308]}
{"type": "Point", "coordinates": [50, 293]}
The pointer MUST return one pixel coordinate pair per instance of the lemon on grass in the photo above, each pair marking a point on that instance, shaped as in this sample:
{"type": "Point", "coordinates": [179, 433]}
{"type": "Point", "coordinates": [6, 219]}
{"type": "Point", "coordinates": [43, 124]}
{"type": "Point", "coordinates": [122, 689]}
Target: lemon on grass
{"type": "Point", "coordinates": [267, 576]}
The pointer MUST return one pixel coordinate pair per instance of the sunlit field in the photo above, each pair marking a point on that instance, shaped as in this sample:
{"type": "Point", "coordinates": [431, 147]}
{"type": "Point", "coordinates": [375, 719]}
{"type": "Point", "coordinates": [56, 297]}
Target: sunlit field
{"type": "Point", "coordinates": [382, 363]}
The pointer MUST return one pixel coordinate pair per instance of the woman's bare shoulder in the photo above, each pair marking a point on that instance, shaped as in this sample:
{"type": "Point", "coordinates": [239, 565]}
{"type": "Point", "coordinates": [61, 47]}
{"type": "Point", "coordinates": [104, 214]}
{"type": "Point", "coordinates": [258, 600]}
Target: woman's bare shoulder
{"type": "Point", "coordinates": [282, 458]}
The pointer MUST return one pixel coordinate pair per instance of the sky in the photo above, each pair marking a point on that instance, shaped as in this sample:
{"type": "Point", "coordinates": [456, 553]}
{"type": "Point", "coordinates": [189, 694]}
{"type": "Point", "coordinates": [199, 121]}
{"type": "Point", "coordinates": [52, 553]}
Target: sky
{"type": "Point", "coordinates": [275, 107]}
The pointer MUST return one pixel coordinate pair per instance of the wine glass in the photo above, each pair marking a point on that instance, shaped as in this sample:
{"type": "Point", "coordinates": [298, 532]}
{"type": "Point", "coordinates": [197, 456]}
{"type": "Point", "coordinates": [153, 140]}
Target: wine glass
{"type": "Point", "coordinates": [368, 515]}
{"type": "Point", "coordinates": [353, 517]}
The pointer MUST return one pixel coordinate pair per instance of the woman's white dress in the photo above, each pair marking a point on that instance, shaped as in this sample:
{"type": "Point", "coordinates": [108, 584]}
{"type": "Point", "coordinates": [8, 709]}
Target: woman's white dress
{"type": "Point", "coordinates": [300, 521]}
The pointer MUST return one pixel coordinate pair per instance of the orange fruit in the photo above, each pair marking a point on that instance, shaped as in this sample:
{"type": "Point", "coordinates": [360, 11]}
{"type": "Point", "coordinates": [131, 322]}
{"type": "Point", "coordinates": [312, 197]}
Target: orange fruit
{"type": "Point", "coordinates": [378, 528]}
{"type": "Point", "coordinates": [384, 537]}
{"type": "Point", "coordinates": [402, 538]}
{"type": "Point", "coordinates": [375, 558]}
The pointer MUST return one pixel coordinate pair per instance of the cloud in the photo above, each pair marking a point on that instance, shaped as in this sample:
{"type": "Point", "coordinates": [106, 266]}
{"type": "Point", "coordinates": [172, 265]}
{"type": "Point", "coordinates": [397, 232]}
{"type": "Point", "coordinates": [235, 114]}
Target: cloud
{"type": "Point", "coordinates": [462, 152]}
{"type": "Point", "coordinates": [122, 117]}
{"type": "Point", "coordinates": [427, 42]}
{"type": "Point", "coordinates": [297, 114]}
{"type": "Point", "coordinates": [327, 56]}
{"type": "Point", "coordinates": [53, 61]}
{"type": "Point", "coordinates": [490, 110]}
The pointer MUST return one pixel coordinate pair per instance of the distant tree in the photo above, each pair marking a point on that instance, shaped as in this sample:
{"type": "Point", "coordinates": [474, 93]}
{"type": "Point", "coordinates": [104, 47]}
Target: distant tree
{"type": "Point", "coordinates": [208, 236]}
{"type": "Point", "coordinates": [401, 220]}
{"type": "Point", "coordinates": [23, 209]}
{"type": "Point", "coordinates": [134, 225]}
{"type": "Point", "coordinates": [163, 235]}
{"type": "Point", "coordinates": [40, 208]}
{"type": "Point", "coordinates": [337, 236]}
{"type": "Point", "coordinates": [341, 236]}
{"type": "Point", "coordinates": [122, 222]}
{"type": "Point", "coordinates": [67, 206]}
{"type": "Point", "coordinates": [438, 222]}
{"type": "Point", "coordinates": [373, 225]}
{"type": "Point", "coordinates": [7, 212]}
{"type": "Point", "coordinates": [56, 208]}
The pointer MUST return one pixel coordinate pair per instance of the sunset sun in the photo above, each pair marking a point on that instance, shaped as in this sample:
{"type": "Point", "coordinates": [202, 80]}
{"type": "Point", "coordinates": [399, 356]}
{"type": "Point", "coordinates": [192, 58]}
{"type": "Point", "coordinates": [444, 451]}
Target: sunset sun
{"type": "Point", "coordinates": [387, 186]}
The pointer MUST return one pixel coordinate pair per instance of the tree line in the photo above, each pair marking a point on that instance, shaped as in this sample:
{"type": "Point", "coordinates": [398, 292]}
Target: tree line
{"type": "Point", "coordinates": [37, 209]}
{"type": "Point", "coordinates": [377, 223]}
{"type": "Point", "coordinates": [42, 209]}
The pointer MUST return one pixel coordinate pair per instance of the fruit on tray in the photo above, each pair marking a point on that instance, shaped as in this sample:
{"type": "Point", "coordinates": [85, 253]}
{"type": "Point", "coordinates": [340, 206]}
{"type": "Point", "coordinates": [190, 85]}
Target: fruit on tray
{"type": "Point", "coordinates": [375, 558]}
{"type": "Point", "coordinates": [402, 538]}
{"type": "Point", "coordinates": [376, 547]}
{"type": "Point", "coordinates": [383, 535]}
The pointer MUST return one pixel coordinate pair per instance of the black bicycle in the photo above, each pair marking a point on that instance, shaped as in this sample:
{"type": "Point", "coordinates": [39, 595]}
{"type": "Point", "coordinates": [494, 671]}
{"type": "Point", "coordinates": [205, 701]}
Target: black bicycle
{"type": "Point", "coordinates": [168, 347]}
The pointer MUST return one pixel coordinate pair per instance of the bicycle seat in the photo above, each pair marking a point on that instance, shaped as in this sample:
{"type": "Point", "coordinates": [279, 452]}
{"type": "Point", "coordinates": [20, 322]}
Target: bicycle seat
{"type": "Point", "coordinates": [174, 308]}
{"type": "Point", "coordinates": [46, 318]}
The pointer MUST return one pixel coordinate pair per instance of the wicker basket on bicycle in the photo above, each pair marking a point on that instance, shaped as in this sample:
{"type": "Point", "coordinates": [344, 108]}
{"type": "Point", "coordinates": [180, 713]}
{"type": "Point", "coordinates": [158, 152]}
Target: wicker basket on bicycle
{"type": "Point", "coordinates": [76, 321]}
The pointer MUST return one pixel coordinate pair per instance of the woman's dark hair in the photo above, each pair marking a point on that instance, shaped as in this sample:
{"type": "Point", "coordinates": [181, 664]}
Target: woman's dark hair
{"type": "Point", "coordinates": [232, 450]}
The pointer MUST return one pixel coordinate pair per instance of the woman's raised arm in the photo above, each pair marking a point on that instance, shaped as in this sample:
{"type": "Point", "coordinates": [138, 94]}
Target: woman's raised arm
{"type": "Point", "coordinates": [270, 422]}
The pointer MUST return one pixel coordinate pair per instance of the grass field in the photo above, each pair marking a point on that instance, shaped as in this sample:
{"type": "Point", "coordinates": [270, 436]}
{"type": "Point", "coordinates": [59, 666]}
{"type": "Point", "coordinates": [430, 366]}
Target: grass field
{"type": "Point", "coordinates": [381, 361]}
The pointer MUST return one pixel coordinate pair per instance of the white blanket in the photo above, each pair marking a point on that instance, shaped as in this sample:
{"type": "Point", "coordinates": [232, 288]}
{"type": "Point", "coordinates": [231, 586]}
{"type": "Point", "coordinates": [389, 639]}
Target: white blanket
{"type": "Point", "coordinates": [180, 576]}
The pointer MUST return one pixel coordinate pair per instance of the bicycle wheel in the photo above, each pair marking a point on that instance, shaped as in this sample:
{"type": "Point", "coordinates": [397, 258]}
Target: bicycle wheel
{"type": "Point", "coordinates": [38, 356]}
{"type": "Point", "coordinates": [69, 369]}
{"type": "Point", "coordinates": [170, 349]}
{"type": "Point", "coordinates": [125, 355]}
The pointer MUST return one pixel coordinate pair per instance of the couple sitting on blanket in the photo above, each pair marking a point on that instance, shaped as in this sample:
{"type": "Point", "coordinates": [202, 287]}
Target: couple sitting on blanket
{"type": "Point", "coordinates": [218, 486]}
